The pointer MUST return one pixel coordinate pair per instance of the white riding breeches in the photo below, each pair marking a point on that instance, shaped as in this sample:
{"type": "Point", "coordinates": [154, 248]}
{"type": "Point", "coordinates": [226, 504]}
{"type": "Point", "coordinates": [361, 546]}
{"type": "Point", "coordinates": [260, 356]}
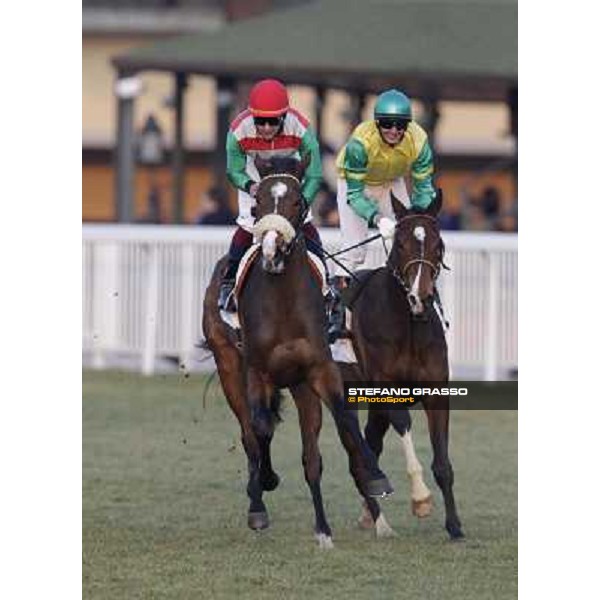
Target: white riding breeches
{"type": "Point", "coordinates": [354, 228]}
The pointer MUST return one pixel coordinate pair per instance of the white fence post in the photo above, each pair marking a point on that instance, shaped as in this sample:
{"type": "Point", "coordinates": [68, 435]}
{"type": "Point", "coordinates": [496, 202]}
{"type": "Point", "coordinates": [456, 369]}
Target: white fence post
{"type": "Point", "coordinates": [151, 313]}
{"type": "Point", "coordinates": [491, 340]}
{"type": "Point", "coordinates": [106, 301]}
{"type": "Point", "coordinates": [448, 293]}
{"type": "Point", "coordinates": [187, 305]}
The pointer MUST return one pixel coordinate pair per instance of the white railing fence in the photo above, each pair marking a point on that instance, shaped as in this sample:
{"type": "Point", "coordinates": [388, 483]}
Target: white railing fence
{"type": "Point", "coordinates": [143, 287]}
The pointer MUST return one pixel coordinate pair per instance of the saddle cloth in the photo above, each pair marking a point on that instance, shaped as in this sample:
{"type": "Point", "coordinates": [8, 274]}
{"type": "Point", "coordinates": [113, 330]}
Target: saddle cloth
{"type": "Point", "coordinates": [316, 266]}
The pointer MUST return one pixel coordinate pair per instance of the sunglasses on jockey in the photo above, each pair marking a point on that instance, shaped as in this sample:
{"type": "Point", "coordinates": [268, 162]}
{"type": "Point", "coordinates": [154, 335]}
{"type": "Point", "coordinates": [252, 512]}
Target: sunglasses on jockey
{"type": "Point", "coordinates": [273, 121]}
{"type": "Point", "coordinates": [390, 123]}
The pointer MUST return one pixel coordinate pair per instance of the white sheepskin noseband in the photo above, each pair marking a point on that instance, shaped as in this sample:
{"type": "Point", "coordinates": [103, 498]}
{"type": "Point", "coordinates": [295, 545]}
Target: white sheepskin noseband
{"type": "Point", "coordinates": [273, 222]}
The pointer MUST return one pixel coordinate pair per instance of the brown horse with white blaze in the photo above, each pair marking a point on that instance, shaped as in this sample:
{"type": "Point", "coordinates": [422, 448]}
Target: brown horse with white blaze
{"type": "Point", "coordinates": [399, 337]}
{"type": "Point", "coordinates": [283, 331]}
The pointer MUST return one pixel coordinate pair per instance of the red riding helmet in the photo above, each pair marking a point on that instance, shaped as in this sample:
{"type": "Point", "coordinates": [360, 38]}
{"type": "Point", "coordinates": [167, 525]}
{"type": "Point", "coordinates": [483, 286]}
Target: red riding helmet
{"type": "Point", "coordinates": [268, 98]}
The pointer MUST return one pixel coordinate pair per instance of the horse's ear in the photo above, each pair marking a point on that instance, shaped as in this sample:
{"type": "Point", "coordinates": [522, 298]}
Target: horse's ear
{"type": "Point", "coordinates": [434, 208]}
{"type": "Point", "coordinates": [399, 209]}
{"type": "Point", "coordinates": [262, 165]}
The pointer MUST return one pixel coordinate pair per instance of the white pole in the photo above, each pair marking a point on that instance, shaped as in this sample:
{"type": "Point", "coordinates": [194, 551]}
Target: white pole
{"type": "Point", "coordinates": [449, 301]}
{"type": "Point", "coordinates": [491, 347]}
{"type": "Point", "coordinates": [105, 303]}
{"type": "Point", "coordinates": [187, 306]}
{"type": "Point", "coordinates": [151, 314]}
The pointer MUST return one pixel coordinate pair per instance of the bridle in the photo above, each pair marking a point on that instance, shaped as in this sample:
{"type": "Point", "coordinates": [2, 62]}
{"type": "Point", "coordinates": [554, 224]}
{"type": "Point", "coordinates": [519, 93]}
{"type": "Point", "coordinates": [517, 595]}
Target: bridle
{"type": "Point", "coordinates": [288, 247]}
{"type": "Point", "coordinates": [399, 272]}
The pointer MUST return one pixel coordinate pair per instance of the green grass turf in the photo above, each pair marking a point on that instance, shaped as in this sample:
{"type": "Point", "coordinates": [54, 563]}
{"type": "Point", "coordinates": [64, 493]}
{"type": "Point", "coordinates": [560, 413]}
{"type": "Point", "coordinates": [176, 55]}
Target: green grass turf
{"type": "Point", "coordinates": [164, 505]}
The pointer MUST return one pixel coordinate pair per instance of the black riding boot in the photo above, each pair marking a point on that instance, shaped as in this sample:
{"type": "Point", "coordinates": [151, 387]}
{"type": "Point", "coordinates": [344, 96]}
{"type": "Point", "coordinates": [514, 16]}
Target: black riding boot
{"type": "Point", "coordinates": [337, 312]}
{"type": "Point", "coordinates": [226, 300]}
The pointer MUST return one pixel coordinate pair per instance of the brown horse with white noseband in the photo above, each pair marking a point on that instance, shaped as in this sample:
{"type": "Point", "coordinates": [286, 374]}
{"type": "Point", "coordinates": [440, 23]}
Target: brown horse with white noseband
{"type": "Point", "coordinates": [283, 329]}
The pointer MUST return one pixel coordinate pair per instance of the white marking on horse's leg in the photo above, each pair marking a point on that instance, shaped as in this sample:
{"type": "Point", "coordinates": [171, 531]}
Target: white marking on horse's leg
{"type": "Point", "coordinates": [418, 489]}
{"type": "Point", "coordinates": [383, 529]}
{"type": "Point", "coordinates": [269, 245]}
{"type": "Point", "coordinates": [324, 541]}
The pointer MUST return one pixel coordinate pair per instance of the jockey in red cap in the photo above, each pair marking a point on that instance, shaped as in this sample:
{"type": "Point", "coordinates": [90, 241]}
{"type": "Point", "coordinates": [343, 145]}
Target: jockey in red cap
{"type": "Point", "coordinates": [268, 127]}
{"type": "Point", "coordinates": [268, 98]}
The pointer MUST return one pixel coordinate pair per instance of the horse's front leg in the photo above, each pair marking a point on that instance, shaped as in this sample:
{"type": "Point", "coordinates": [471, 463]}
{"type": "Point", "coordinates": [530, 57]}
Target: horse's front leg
{"type": "Point", "coordinates": [262, 420]}
{"type": "Point", "coordinates": [372, 517]}
{"type": "Point", "coordinates": [326, 382]}
{"type": "Point", "coordinates": [438, 413]}
{"type": "Point", "coordinates": [310, 418]}
{"type": "Point", "coordinates": [421, 499]}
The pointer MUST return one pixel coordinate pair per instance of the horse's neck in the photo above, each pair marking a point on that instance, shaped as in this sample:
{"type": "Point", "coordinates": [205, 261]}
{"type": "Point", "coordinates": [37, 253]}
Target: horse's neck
{"type": "Point", "coordinates": [296, 264]}
{"type": "Point", "coordinates": [397, 300]}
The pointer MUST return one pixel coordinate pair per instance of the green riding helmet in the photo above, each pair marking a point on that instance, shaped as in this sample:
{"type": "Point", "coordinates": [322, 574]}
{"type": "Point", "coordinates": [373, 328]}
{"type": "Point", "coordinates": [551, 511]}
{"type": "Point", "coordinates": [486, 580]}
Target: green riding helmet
{"type": "Point", "coordinates": [393, 104]}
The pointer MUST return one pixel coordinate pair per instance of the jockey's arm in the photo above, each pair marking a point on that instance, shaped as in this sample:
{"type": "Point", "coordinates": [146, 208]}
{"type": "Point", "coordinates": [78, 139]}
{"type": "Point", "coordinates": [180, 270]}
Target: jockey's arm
{"type": "Point", "coordinates": [355, 169]}
{"type": "Point", "coordinates": [236, 164]}
{"type": "Point", "coordinates": [314, 173]}
{"type": "Point", "coordinates": [423, 190]}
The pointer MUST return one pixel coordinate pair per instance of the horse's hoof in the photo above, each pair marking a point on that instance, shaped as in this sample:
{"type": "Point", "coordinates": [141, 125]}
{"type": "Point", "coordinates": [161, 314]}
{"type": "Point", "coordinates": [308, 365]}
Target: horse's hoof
{"type": "Point", "coordinates": [324, 541]}
{"type": "Point", "coordinates": [258, 520]}
{"type": "Point", "coordinates": [383, 529]}
{"type": "Point", "coordinates": [455, 532]}
{"type": "Point", "coordinates": [379, 488]}
{"type": "Point", "coordinates": [270, 481]}
{"type": "Point", "coordinates": [422, 508]}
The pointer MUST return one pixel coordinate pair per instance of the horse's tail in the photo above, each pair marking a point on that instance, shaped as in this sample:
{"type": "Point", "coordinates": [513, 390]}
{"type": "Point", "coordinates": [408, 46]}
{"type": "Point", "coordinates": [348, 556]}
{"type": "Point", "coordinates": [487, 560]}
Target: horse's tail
{"type": "Point", "coordinates": [203, 345]}
{"type": "Point", "coordinates": [276, 400]}
{"type": "Point", "coordinates": [210, 379]}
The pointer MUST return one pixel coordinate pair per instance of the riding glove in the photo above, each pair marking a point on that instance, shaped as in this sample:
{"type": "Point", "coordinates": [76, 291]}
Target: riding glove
{"type": "Point", "coordinates": [386, 227]}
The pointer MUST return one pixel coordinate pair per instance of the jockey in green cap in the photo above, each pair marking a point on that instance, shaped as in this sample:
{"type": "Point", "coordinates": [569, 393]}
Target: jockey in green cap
{"type": "Point", "coordinates": [375, 161]}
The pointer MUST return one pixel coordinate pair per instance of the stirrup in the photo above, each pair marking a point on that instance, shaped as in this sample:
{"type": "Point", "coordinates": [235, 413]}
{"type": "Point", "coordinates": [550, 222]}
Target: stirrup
{"type": "Point", "coordinates": [333, 335]}
{"type": "Point", "coordinates": [337, 322]}
{"type": "Point", "coordinates": [226, 300]}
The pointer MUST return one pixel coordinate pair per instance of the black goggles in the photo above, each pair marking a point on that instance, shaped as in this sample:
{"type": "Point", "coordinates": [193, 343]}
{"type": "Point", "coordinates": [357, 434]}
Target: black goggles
{"type": "Point", "coordinates": [399, 124]}
{"type": "Point", "coordinates": [273, 121]}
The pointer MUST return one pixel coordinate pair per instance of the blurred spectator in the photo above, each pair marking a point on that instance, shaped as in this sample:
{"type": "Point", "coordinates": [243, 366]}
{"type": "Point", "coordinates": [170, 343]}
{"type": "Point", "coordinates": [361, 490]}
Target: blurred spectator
{"type": "Point", "coordinates": [476, 219]}
{"type": "Point", "coordinates": [490, 202]}
{"type": "Point", "coordinates": [481, 212]}
{"type": "Point", "coordinates": [508, 220]}
{"type": "Point", "coordinates": [328, 158]}
{"type": "Point", "coordinates": [153, 207]}
{"type": "Point", "coordinates": [214, 208]}
{"type": "Point", "coordinates": [450, 218]}
{"type": "Point", "coordinates": [324, 207]}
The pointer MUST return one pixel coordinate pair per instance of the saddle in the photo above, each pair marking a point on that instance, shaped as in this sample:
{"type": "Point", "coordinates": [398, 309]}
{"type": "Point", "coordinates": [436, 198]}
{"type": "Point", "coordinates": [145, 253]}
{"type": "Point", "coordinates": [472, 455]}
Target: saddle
{"type": "Point", "coordinates": [357, 286]}
{"type": "Point", "coordinates": [316, 266]}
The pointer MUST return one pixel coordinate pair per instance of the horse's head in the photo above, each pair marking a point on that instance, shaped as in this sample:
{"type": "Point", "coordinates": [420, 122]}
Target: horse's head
{"type": "Point", "coordinates": [417, 253]}
{"type": "Point", "coordinates": [280, 209]}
